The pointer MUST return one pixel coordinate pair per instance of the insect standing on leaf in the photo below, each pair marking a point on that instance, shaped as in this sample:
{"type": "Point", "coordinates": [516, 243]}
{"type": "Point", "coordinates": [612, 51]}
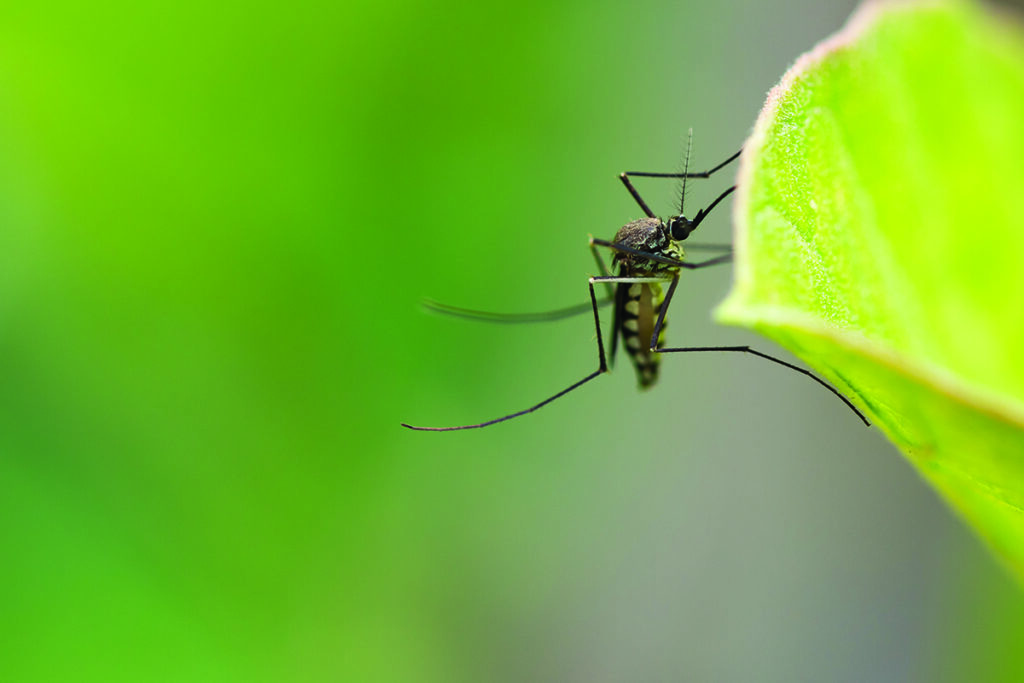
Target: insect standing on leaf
{"type": "Point", "coordinates": [648, 254]}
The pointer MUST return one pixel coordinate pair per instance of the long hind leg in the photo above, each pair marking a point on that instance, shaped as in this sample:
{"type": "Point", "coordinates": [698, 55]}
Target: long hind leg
{"type": "Point", "coordinates": [739, 349]}
{"type": "Point", "coordinates": [602, 368]}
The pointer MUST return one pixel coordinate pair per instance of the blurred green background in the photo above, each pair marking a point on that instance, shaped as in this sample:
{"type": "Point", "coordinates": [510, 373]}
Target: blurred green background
{"type": "Point", "coordinates": [216, 224]}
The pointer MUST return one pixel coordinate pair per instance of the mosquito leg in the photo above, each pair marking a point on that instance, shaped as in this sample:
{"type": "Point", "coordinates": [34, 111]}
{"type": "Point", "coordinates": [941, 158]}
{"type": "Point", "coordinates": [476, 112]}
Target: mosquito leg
{"type": "Point", "coordinates": [661, 313]}
{"type": "Point", "coordinates": [603, 267]}
{"type": "Point", "coordinates": [609, 280]}
{"type": "Point", "coordinates": [737, 349]}
{"type": "Point", "coordinates": [706, 246]}
{"type": "Point", "coordinates": [631, 280]}
{"type": "Point", "coordinates": [543, 316]}
{"type": "Point", "coordinates": [694, 174]}
{"type": "Point", "coordinates": [511, 318]}
{"type": "Point", "coordinates": [724, 258]}
{"type": "Point", "coordinates": [624, 177]}
{"type": "Point", "coordinates": [703, 213]}
{"type": "Point", "coordinates": [747, 349]}
{"type": "Point", "coordinates": [773, 359]}
{"type": "Point", "coordinates": [629, 250]}
{"type": "Point", "coordinates": [602, 368]}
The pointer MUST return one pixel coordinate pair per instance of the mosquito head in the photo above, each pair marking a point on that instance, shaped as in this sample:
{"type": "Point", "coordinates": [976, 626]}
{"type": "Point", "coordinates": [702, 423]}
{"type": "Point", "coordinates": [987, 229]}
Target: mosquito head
{"type": "Point", "coordinates": [680, 227]}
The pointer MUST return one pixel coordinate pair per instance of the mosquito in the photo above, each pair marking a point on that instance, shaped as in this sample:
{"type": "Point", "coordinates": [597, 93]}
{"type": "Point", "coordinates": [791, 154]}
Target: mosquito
{"type": "Point", "coordinates": [647, 255]}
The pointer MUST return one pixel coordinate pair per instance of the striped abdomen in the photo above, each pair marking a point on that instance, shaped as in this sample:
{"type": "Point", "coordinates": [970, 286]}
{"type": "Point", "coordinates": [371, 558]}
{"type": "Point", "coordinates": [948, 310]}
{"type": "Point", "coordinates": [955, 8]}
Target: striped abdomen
{"type": "Point", "coordinates": [636, 310]}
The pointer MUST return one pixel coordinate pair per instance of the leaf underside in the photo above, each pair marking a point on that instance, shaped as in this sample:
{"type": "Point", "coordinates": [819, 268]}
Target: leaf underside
{"type": "Point", "coordinates": [880, 233]}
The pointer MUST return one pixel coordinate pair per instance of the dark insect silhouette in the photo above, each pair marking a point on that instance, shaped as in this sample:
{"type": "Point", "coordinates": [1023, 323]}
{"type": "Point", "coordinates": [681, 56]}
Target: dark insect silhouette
{"type": "Point", "coordinates": [647, 255]}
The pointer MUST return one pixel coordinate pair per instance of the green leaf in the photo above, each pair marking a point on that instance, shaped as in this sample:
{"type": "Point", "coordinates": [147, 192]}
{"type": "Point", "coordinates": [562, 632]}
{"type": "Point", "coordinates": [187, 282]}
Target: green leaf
{"type": "Point", "coordinates": [880, 237]}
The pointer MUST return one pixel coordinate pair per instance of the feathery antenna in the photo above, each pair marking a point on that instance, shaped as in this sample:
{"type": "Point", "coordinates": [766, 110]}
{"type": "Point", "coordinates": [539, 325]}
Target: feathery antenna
{"type": "Point", "coordinates": [686, 170]}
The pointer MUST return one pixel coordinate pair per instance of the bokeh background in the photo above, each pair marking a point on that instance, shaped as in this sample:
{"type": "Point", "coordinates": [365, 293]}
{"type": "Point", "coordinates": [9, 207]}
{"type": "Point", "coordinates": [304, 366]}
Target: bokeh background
{"type": "Point", "coordinates": [216, 224]}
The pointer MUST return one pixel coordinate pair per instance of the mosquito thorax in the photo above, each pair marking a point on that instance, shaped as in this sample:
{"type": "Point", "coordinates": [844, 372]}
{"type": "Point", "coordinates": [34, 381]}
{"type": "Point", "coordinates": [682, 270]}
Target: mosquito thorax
{"type": "Point", "coordinates": [649, 235]}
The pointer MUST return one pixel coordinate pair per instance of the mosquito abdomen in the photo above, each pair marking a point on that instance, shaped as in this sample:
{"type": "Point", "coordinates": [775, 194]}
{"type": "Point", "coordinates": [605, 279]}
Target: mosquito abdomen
{"type": "Point", "coordinates": [639, 305]}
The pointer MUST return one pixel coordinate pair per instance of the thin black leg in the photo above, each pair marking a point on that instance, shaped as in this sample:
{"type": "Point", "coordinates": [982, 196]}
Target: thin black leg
{"type": "Point", "coordinates": [707, 246]}
{"type": "Point", "coordinates": [511, 318]}
{"type": "Point", "coordinates": [703, 213]}
{"type": "Point", "coordinates": [695, 174]}
{"type": "Point", "coordinates": [636, 195]}
{"type": "Point", "coordinates": [724, 258]}
{"type": "Point", "coordinates": [661, 313]}
{"type": "Point", "coordinates": [624, 177]}
{"type": "Point", "coordinates": [718, 260]}
{"type": "Point", "coordinates": [603, 267]}
{"type": "Point", "coordinates": [602, 368]}
{"type": "Point", "coordinates": [736, 349]}
{"type": "Point", "coordinates": [747, 349]}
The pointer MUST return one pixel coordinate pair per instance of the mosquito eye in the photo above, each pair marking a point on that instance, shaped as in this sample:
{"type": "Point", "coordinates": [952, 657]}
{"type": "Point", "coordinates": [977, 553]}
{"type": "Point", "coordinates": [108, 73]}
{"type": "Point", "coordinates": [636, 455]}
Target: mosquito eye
{"type": "Point", "coordinates": [680, 228]}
